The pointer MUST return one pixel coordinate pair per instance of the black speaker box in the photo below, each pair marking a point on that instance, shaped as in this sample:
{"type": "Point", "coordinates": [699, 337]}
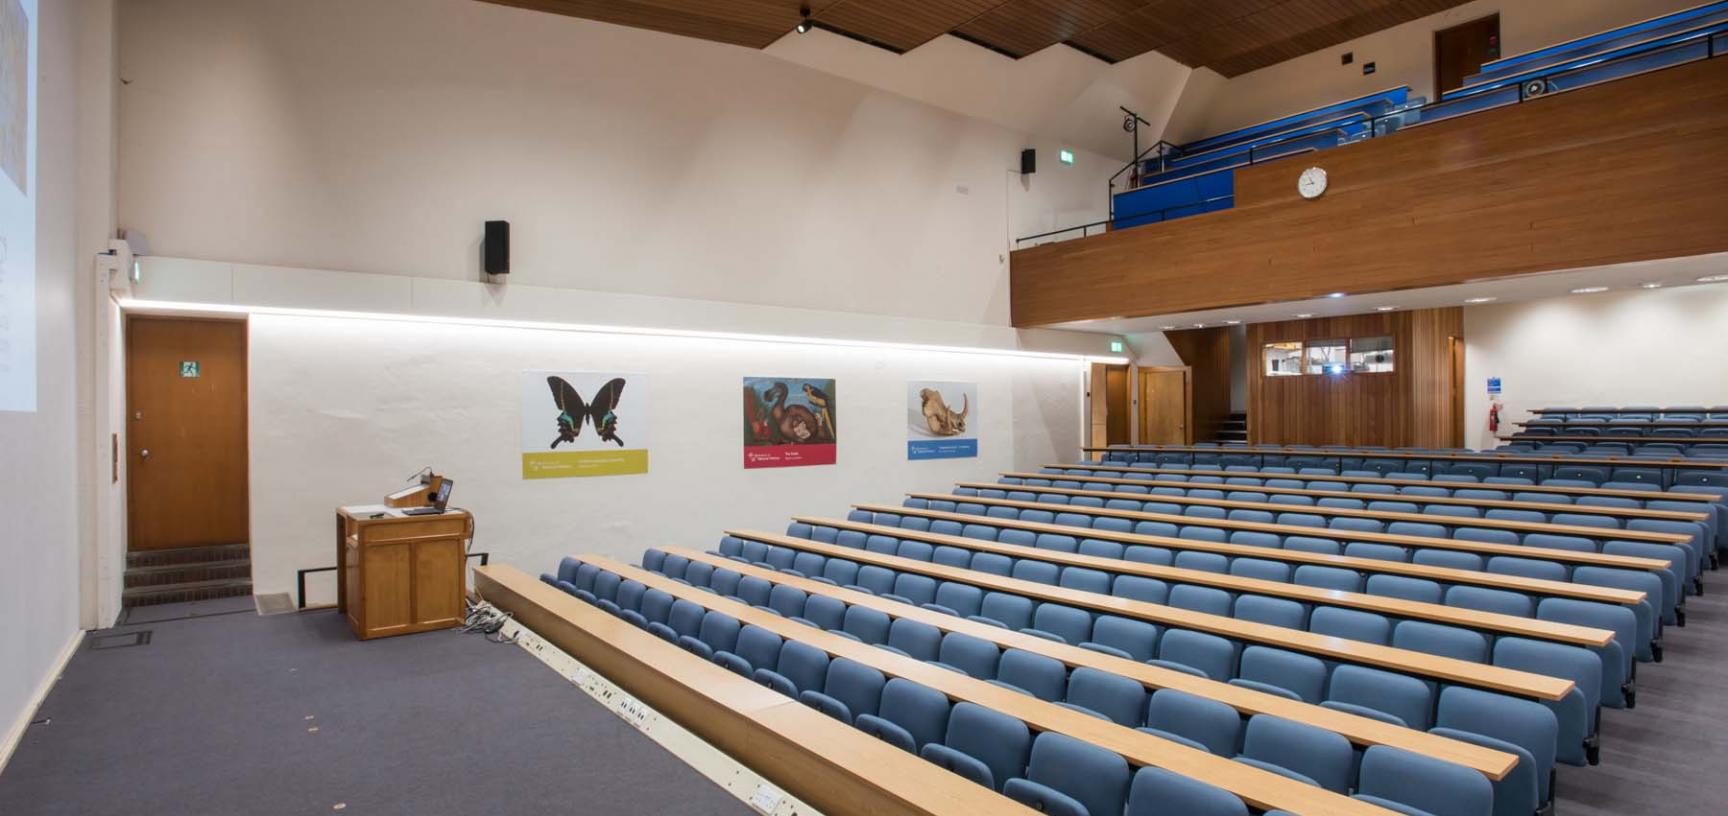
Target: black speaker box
{"type": "Point", "coordinates": [497, 247]}
{"type": "Point", "coordinates": [1028, 161]}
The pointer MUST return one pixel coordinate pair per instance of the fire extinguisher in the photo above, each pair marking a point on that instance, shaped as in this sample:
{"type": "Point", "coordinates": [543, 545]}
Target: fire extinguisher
{"type": "Point", "coordinates": [1493, 417]}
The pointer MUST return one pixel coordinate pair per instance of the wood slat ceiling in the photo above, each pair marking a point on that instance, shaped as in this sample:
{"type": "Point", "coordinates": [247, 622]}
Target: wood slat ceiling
{"type": "Point", "coordinates": [1229, 36]}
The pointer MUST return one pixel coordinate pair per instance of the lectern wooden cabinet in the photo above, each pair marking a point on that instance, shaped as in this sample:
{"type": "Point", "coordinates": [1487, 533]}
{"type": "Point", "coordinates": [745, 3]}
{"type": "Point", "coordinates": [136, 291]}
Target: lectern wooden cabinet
{"type": "Point", "coordinates": [400, 574]}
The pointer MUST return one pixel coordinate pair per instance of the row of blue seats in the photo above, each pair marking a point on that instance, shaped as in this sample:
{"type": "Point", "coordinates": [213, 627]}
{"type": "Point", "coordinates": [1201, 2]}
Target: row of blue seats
{"type": "Point", "coordinates": [1689, 44]}
{"type": "Point", "coordinates": [1420, 463]}
{"type": "Point", "coordinates": [1308, 754]}
{"type": "Point", "coordinates": [1536, 442]}
{"type": "Point", "coordinates": [1487, 493]}
{"type": "Point", "coordinates": [1672, 429]}
{"type": "Point", "coordinates": [1397, 698]}
{"type": "Point", "coordinates": [1645, 412]}
{"type": "Point", "coordinates": [1672, 580]}
{"type": "Point", "coordinates": [1052, 772]}
{"type": "Point", "coordinates": [1560, 53]}
{"type": "Point", "coordinates": [1439, 520]}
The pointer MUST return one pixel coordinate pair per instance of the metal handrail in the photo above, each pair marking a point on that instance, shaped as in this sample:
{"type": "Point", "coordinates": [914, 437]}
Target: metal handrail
{"type": "Point", "coordinates": [1543, 83]}
{"type": "Point", "coordinates": [300, 576]}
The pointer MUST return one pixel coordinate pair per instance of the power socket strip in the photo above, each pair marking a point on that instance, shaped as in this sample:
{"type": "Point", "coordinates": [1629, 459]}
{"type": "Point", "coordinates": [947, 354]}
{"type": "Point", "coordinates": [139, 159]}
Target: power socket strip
{"type": "Point", "coordinates": [748, 786]}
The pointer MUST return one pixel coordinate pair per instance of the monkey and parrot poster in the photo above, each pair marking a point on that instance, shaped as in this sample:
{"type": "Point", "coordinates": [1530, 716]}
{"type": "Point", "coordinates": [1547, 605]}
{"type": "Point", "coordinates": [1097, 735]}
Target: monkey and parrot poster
{"type": "Point", "coordinates": [583, 423]}
{"type": "Point", "coordinates": [788, 422]}
{"type": "Point", "coordinates": [941, 420]}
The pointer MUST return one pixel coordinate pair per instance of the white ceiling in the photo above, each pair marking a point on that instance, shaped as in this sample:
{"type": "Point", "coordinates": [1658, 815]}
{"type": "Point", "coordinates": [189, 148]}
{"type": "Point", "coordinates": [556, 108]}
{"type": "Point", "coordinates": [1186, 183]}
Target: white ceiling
{"type": "Point", "coordinates": [1617, 277]}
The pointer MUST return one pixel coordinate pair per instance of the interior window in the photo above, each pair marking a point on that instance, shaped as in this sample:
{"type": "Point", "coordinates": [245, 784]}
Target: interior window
{"type": "Point", "coordinates": [1327, 357]}
{"type": "Point", "coordinates": [1371, 355]}
{"type": "Point", "coordinates": [1284, 359]}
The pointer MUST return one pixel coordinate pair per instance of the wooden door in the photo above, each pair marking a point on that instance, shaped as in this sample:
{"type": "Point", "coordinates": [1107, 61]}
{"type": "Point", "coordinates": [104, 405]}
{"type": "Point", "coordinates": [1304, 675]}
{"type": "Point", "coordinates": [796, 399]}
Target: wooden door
{"type": "Point", "coordinates": [186, 440]}
{"type": "Point", "coordinates": [1455, 345]}
{"type": "Point", "coordinates": [1459, 51]}
{"type": "Point", "coordinates": [1165, 406]}
{"type": "Point", "coordinates": [1116, 404]}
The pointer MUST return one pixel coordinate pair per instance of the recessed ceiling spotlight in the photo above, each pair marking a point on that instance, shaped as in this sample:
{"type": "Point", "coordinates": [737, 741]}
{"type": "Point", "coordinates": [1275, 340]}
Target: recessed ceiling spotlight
{"type": "Point", "coordinates": [1199, 325]}
{"type": "Point", "coordinates": [1385, 308]}
{"type": "Point", "coordinates": [1650, 285]}
{"type": "Point", "coordinates": [1336, 295]}
{"type": "Point", "coordinates": [1166, 328]}
{"type": "Point", "coordinates": [1480, 300]}
{"type": "Point", "coordinates": [1589, 290]}
{"type": "Point", "coordinates": [1713, 279]}
{"type": "Point", "coordinates": [1232, 322]}
{"type": "Point", "coordinates": [1306, 315]}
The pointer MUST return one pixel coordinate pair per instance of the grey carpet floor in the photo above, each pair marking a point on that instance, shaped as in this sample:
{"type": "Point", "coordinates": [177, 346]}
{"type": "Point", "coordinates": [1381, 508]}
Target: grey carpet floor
{"type": "Point", "coordinates": [214, 716]}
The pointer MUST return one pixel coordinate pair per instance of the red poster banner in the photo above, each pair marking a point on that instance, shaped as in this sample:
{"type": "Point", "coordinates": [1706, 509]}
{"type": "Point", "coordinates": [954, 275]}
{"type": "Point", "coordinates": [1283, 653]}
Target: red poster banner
{"type": "Point", "coordinates": [769, 456]}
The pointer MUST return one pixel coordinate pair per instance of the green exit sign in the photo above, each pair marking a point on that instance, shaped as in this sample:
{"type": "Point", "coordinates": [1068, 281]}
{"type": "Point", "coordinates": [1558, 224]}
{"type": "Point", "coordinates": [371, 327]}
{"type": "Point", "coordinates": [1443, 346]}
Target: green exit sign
{"type": "Point", "coordinates": [1116, 346]}
{"type": "Point", "coordinates": [189, 369]}
{"type": "Point", "coordinates": [1065, 156]}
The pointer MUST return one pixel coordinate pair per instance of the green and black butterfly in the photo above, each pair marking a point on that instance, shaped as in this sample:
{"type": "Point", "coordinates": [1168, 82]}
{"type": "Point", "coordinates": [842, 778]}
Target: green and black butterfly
{"type": "Point", "coordinates": [573, 412]}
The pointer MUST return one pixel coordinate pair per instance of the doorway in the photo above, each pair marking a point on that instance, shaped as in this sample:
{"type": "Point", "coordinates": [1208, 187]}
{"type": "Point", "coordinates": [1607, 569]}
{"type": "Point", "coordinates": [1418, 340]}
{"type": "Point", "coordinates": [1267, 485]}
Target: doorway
{"type": "Point", "coordinates": [1116, 405]}
{"type": "Point", "coordinates": [1166, 405]}
{"type": "Point", "coordinates": [1455, 347]}
{"type": "Point", "coordinates": [186, 434]}
{"type": "Point", "coordinates": [1461, 50]}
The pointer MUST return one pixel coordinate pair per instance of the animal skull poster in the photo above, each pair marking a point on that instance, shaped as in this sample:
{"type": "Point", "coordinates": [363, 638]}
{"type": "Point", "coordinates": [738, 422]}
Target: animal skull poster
{"type": "Point", "coordinates": [941, 420]}
{"type": "Point", "coordinates": [788, 422]}
{"type": "Point", "coordinates": [583, 423]}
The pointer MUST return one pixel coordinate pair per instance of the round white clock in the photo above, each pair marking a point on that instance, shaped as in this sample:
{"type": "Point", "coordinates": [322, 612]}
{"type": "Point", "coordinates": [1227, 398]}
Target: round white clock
{"type": "Point", "coordinates": [1312, 183]}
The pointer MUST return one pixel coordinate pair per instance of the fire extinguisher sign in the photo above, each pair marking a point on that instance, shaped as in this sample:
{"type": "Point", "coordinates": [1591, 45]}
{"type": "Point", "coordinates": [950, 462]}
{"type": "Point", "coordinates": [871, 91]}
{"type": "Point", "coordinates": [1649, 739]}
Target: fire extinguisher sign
{"type": "Point", "coordinates": [1493, 386]}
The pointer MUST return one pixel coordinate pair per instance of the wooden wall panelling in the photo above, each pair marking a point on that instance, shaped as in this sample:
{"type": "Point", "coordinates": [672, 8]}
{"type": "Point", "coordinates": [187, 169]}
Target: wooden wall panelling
{"type": "Point", "coordinates": [1613, 173]}
{"type": "Point", "coordinates": [1206, 352]}
{"type": "Point", "coordinates": [1432, 408]}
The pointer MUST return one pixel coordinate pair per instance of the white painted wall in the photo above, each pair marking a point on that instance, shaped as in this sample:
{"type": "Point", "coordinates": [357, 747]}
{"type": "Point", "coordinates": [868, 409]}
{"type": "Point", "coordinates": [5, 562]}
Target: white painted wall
{"type": "Point", "coordinates": [342, 410]}
{"type": "Point", "coordinates": [377, 136]}
{"type": "Point", "coordinates": [1661, 347]}
{"type": "Point", "coordinates": [39, 474]}
{"type": "Point", "coordinates": [1403, 55]}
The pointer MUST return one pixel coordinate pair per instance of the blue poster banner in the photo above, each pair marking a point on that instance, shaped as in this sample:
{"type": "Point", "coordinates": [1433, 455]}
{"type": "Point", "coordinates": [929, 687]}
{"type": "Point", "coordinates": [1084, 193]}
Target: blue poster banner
{"type": "Point", "coordinates": [941, 448]}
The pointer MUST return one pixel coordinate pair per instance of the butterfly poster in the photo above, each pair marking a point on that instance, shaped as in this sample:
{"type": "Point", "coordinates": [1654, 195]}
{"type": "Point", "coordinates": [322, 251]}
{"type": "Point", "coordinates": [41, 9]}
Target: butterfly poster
{"type": "Point", "coordinates": [583, 423]}
{"type": "Point", "coordinates": [789, 422]}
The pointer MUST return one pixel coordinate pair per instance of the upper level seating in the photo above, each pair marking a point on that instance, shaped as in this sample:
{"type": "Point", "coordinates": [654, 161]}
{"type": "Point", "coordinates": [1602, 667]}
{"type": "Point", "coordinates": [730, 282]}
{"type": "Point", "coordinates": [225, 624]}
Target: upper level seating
{"type": "Point", "coordinates": [1198, 177]}
{"type": "Point", "coordinates": [1675, 431]}
{"type": "Point", "coordinates": [1683, 36]}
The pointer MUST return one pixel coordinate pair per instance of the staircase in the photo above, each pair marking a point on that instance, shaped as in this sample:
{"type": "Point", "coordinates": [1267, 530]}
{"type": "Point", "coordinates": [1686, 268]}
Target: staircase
{"type": "Point", "coordinates": [187, 574]}
{"type": "Point", "coordinates": [1233, 429]}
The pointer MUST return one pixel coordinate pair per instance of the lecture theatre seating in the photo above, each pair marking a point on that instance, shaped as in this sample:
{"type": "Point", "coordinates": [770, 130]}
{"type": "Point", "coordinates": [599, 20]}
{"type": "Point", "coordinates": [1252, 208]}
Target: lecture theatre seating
{"type": "Point", "coordinates": [1199, 176]}
{"type": "Point", "coordinates": [1695, 431]}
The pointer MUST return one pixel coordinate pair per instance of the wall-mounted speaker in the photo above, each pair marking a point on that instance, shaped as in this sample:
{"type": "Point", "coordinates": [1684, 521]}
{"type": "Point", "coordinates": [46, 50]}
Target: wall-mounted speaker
{"type": "Point", "coordinates": [497, 247]}
{"type": "Point", "coordinates": [1028, 161]}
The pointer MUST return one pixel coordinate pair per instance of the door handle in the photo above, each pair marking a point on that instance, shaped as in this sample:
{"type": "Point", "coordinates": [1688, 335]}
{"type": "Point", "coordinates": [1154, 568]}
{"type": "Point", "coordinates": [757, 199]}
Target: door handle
{"type": "Point", "coordinates": [144, 454]}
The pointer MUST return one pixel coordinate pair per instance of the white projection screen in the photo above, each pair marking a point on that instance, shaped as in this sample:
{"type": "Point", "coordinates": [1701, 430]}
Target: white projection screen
{"type": "Point", "coordinates": [18, 205]}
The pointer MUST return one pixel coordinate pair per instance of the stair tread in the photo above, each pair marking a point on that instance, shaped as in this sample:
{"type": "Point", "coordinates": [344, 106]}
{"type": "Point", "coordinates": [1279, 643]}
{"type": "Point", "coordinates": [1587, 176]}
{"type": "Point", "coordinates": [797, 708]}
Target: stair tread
{"type": "Point", "coordinates": [214, 583]}
{"type": "Point", "coordinates": [189, 565]}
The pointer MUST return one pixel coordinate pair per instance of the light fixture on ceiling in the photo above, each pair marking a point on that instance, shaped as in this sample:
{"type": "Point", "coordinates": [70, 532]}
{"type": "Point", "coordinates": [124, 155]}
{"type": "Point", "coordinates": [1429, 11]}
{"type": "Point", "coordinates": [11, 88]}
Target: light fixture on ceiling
{"type": "Point", "coordinates": [1385, 308]}
{"type": "Point", "coordinates": [1232, 322]}
{"type": "Point", "coordinates": [1650, 285]}
{"type": "Point", "coordinates": [1199, 325]}
{"type": "Point", "coordinates": [804, 24]}
{"type": "Point", "coordinates": [1713, 279]}
{"type": "Point", "coordinates": [1336, 295]}
{"type": "Point", "coordinates": [1480, 300]}
{"type": "Point", "coordinates": [1305, 315]}
{"type": "Point", "coordinates": [1589, 290]}
{"type": "Point", "coordinates": [1166, 328]}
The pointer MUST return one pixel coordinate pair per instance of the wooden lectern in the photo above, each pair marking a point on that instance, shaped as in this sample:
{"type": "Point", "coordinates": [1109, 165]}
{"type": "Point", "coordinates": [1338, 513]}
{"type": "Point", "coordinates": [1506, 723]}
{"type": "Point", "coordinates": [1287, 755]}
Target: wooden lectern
{"type": "Point", "coordinates": [399, 574]}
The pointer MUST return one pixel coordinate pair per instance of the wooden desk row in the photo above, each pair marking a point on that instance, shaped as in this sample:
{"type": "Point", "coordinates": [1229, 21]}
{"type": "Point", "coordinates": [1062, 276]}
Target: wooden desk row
{"type": "Point", "coordinates": [1445, 669]}
{"type": "Point", "coordinates": [1362, 731]}
{"type": "Point", "coordinates": [1446, 575]}
{"type": "Point", "coordinates": [1641, 495]}
{"type": "Point", "coordinates": [1396, 607]}
{"type": "Point", "coordinates": [1683, 440]}
{"type": "Point", "coordinates": [1375, 515]}
{"type": "Point", "coordinates": [1450, 501]}
{"type": "Point", "coordinates": [1431, 542]}
{"type": "Point", "coordinates": [1552, 459]}
{"type": "Point", "coordinates": [1262, 789]}
{"type": "Point", "coordinates": [833, 766]}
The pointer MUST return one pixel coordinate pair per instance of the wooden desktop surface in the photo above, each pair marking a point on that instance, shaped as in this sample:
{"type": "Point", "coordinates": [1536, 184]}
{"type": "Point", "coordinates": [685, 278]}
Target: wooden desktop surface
{"type": "Point", "coordinates": [1451, 501]}
{"type": "Point", "coordinates": [834, 767]}
{"type": "Point", "coordinates": [1536, 586]}
{"type": "Point", "coordinates": [1362, 731]}
{"type": "Point", "coordinates": [1551, 528]}
{"type": "Point", "coordinates": [1644, 495]}
{"type": "Point", "coordinates": [1385, 605]}
{"type": "Point", "coordinates": [1548, 554]}
{"type": "Point", "coordinates": [1553, 459]}
{"type": "Point", "coordinates": [1451, 670]}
